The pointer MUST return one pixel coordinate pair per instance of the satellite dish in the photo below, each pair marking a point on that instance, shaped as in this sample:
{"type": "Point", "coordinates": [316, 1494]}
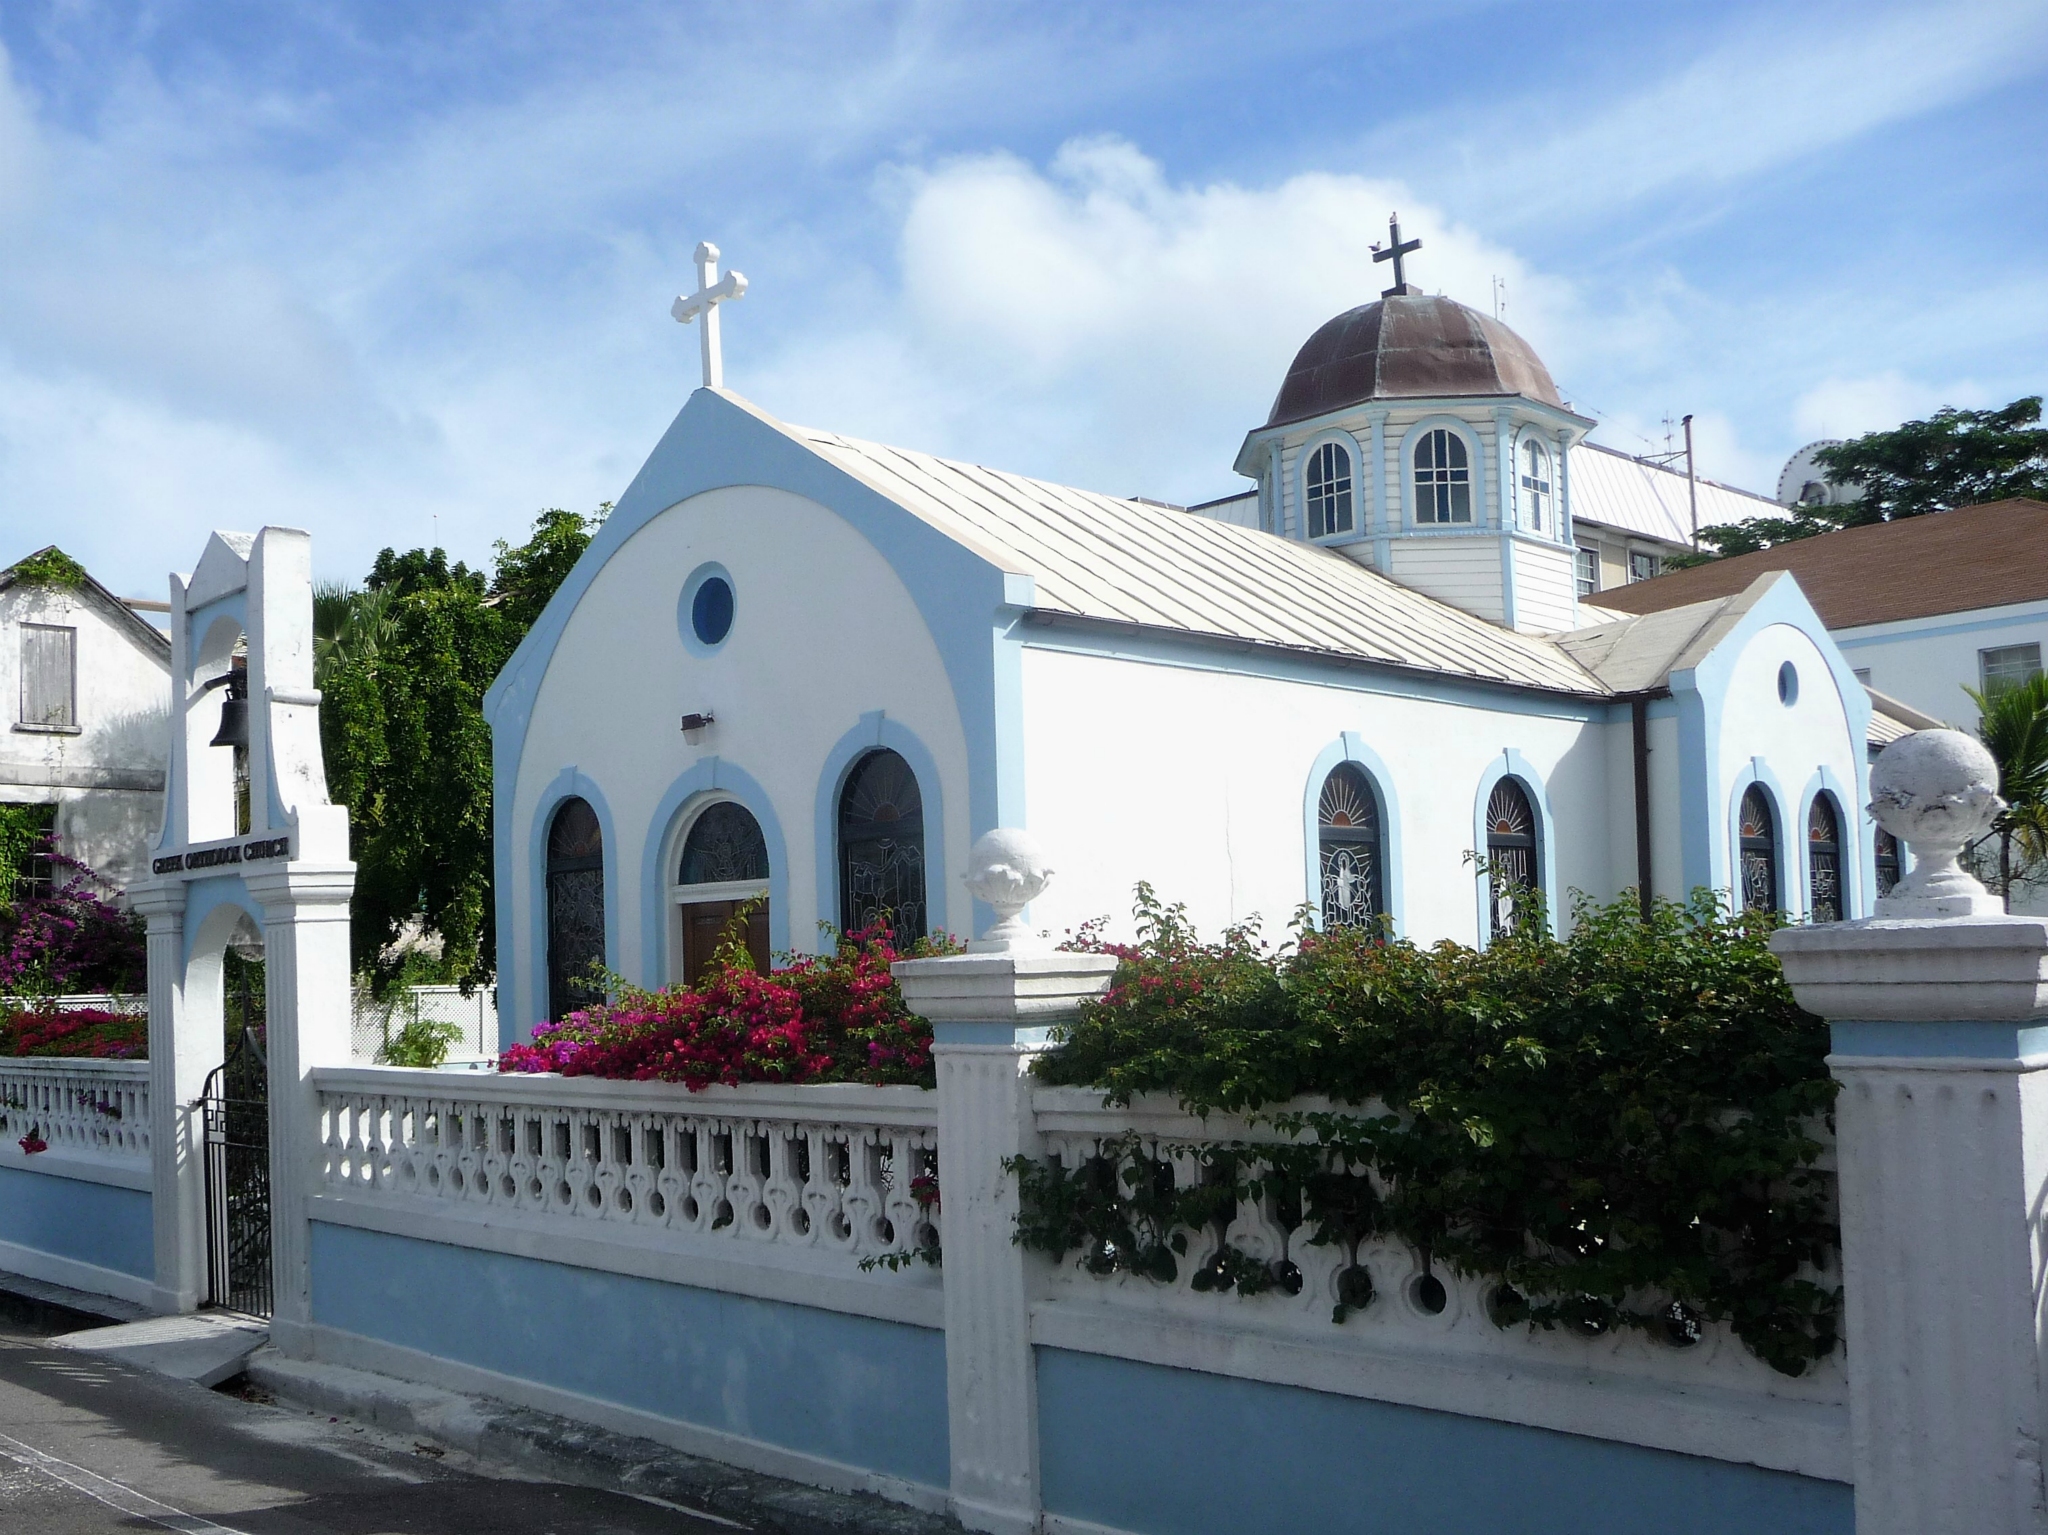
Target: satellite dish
{"type": "Point", "coordinates": [1804, 483]}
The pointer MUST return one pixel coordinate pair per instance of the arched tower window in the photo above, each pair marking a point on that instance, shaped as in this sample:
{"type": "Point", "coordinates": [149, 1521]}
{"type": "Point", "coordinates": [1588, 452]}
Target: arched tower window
{"type": "Point", "coordinates": [1443, 478]}
{"type": "Point", "coordinates": [1329, 491]}
{"type": "Point", "coordinates": [575, 906]}
{"type": "Point", "coordinates": [724, 866]}
{"type": "Point", "coordinates": [1349, 845]}
{"type": "Point", "coordinates": [1757, 834]}
{"type": "Point", "coordinates": [1511, 863]}
{"type": "Point", "coordinates": [1823, 861]}
{"type": "Point", "coordinates": [881, 848]}
{"type": "Point", "coordinates": [1889, 870]}
{"type": "Point", "coordinates": [1535, 484]}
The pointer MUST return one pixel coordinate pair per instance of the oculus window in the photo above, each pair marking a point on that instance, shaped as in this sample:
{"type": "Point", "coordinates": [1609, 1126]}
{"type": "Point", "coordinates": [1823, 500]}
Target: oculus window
{"type": "Point", "coordinates": [575, 885]}
{"type": "Point", "coordinates": [1349, 850]}
{"type": "Point", "coordinates": [1443, 477]}
{"type": "Point", "coordinates": [1511, 868]}
{"type": "Point", "coordinates": [1328, 483]}
{"type": "Point", "coordinates": [1757, 840]}
{"type": "Point", "coordinates": [1535, 484]}
{"type": "Point", "coordinates": [881, 849]}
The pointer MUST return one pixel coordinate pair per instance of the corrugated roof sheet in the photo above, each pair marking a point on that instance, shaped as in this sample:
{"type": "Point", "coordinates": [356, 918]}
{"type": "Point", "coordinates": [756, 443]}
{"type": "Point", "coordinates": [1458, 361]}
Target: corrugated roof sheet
{"type": "Point", "coordinates": [1636, 653]}
{"type": "Point", "coordinates": [1618, 491]}
{"type": "Point", "coordinates": [1099, 557]}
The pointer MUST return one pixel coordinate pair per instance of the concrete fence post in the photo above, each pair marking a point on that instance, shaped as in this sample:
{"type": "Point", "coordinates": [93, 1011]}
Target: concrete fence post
{"type": "Point", "coordinates": [991, 1010]}
{"type": "Point", "coordinates": [1938, 1012]}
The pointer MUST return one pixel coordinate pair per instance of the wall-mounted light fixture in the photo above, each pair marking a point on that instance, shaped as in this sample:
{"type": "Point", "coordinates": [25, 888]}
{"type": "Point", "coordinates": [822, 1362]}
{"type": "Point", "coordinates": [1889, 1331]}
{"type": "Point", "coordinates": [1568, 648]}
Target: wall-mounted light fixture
{"type": "Point", "coordinates": [695, 724]}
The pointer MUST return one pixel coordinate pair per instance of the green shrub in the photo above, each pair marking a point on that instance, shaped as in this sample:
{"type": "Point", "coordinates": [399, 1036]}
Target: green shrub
{"type": "Point", "coordinates": [1616, 1124]}
{"type": "Point", "coordinates": [420, 1042]}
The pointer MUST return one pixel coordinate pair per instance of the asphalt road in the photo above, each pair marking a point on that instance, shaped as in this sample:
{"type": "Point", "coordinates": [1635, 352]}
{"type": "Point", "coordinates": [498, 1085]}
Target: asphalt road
{"type": "Point", "coordinates": [90, 1447]}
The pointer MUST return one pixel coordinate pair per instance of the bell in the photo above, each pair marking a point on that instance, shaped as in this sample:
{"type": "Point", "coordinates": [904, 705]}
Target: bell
{"type": "Point", "coordinates": [234, 723]}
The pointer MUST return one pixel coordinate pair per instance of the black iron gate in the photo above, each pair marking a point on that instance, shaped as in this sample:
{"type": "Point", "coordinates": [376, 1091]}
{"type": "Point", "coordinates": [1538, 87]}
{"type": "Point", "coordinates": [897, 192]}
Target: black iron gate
{"type": "Point", "coordinates": [237, 1104]}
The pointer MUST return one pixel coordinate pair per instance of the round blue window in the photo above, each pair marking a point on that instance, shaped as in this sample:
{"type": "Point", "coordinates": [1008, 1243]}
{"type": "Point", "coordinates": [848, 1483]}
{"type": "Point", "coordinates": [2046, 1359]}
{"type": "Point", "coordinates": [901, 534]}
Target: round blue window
{"type": "Point", "coordinates": [1788, 684]}
{"type": "Point", "coordinates": [711, 611]}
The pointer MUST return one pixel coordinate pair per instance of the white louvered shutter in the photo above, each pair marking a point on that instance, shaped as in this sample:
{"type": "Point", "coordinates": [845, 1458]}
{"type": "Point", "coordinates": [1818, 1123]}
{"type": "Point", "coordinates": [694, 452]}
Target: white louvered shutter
{"type": "Point", "coordinates": [49, 674]}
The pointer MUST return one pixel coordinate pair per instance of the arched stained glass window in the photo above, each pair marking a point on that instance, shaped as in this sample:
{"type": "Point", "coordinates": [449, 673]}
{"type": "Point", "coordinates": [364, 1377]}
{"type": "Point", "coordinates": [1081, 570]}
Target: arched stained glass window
{"type": "Point", "coordinates": [575, 883]}
{"type": "Point", "coordinates": [1535, 484]}
{"type": "Point", "coordinates": [1511, 860]}
{"type": "Point", "coordinates": [1349, 847]}
{"type": "Point", "coordinates": [1329, 491]}
{"type": "Point", "coordinates": [1889, 869]}
{"type": "Point", "coordinates": [1757, 835]}
{"type": "Point", "coordinates": [881, 848]}
{"type": "Point", "coordinates": [1443, 478]}
{"type": "Point", "coordinates": [1823, 861]}
{"type": "Point", "coordinates": [724, 847]}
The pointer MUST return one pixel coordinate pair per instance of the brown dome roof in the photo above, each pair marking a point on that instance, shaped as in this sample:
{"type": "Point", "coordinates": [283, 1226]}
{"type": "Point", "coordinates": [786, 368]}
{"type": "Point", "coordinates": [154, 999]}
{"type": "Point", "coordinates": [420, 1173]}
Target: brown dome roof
{"type": "Point", "coordinates": [1405, 347]}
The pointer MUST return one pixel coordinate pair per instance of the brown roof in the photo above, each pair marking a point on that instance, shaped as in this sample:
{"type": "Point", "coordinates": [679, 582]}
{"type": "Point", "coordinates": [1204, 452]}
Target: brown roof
{"type": "Point", "coordinates": [1945, 562]}
{"type": "Point", "coordinates": [1409, 346]}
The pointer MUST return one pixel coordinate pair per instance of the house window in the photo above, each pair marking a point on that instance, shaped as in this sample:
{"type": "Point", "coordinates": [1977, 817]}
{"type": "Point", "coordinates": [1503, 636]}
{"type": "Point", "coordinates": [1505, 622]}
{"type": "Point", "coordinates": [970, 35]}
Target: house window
{"type": "Point", "coordinates": [1329, 491]}
{"type": "Point", "coordinates": [1888, 866]}
{"type": "Point", "coordinates": [2008, 666]}
{"type": "Point", "coordinates": [1443, 478]}
{"type": "Point", "coordinates": [1823, 861]}
{"type": "Point", "coordinates": [1511, 870]}
{"type": "Point", "coordinates": [724, 868]}
{"type": "Point", "coordinates": [881, 849]}
{"type": "Point", "coordinates": [1642, 566]}
{"type": "Point", "coordinates": [1535, 483]}
{"type": "Point", "coordinates": [49, 677]}
{"type": "Point", "coordinates": [1587, 563]}
{"type": "Point", "coordinates": [1348, 844]}
{"type": "Point", "coordinates": [575, 908]}
{"type": "Point", "coordinates": [1758, 839]}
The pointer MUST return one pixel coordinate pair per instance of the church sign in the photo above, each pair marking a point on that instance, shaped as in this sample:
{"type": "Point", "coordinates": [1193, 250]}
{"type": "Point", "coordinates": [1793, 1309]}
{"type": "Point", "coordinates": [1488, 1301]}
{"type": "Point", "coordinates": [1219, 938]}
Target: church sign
{"type": "Point", "coordinates": [204, 859]}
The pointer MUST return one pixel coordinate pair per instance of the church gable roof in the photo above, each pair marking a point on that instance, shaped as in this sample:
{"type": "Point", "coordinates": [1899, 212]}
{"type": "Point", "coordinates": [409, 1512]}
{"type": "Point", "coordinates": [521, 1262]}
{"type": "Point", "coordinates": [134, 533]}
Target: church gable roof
{"type": "Point", "coordinates": [1635, 653]}
{"type": "Point", "coordinates": [1099, 557]}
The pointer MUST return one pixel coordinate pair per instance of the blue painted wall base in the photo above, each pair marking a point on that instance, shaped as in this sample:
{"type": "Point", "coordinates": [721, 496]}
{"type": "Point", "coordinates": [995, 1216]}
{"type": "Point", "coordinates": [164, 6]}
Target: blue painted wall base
{"type": "Point", "coordinates": [866, 1393]}
{"type": "Point", "coordinates": [1161, 1451]}
{"type": "Point", "coordinates": [93, 1223]}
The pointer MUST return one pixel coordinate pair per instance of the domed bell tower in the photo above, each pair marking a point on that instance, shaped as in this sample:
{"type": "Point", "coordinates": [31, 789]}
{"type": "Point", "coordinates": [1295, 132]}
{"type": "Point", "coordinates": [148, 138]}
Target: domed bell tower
{"type": "Point", "coordinates": [1427, 440]}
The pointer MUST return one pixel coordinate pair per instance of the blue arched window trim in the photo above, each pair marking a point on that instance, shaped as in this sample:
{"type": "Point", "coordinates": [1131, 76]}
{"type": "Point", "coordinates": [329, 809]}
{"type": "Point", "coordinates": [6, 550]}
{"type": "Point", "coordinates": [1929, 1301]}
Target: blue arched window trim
{"type": "Point", "coordinates": [1512, 764]}
{"type": "Point", "coordinates": [1789, 865]}
{"type": "Point", "coordinates": [710, 776]}
{"type": "Point", "coordinates": [1350, 747]}
{"type": "Point", "coordinates": [567, 784]}
{"type": "Point", "coordinates": [1853, 844]}
{"type": "Point", "coordinates": [877, 730]}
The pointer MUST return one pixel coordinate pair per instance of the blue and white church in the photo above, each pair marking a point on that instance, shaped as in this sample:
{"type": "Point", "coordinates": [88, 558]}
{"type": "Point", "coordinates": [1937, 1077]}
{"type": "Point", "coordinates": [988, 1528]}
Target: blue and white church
{"type": "Point", "coordinates": [801, 666]}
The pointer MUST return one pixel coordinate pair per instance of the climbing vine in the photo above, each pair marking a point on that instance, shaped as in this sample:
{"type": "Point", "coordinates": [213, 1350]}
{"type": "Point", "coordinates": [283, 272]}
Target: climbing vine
{"type": "Point", "coordinates": [1618, 1126]}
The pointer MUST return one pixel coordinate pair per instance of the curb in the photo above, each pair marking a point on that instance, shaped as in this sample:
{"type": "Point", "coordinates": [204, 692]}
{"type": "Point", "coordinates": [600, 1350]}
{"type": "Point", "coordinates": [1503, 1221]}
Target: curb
{"type": "Point", "coordinates": [563, 1450]}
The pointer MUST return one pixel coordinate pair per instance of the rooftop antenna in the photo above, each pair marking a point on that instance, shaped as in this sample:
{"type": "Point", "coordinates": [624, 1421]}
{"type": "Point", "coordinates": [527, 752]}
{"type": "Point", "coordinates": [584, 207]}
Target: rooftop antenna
{"type": "Point", "coordinates": [1500, 298]}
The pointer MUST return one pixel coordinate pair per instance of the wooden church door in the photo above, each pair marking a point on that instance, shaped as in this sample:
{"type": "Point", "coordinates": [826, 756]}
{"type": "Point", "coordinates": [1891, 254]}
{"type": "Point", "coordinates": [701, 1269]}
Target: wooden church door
{"type": "Point", "coordinates": [723, 869]}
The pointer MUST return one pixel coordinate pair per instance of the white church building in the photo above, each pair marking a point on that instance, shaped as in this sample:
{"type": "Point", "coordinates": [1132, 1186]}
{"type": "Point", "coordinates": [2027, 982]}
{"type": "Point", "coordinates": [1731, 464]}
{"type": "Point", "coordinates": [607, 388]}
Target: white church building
{"type": "Point", "coordinates": [797, 665]}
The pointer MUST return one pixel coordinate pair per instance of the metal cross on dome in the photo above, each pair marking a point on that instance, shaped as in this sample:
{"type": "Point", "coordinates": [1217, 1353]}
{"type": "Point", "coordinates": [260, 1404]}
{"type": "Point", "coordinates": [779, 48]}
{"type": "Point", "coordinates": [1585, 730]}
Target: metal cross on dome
{"type": "Point", "coordinates": [712, 290]}
{"type": "Point", "coordinates": [1394, 252]}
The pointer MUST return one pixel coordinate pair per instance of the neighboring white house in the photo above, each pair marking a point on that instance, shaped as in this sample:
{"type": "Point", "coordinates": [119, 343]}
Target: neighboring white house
{"type": "Point", "coordinates": [874, 656]}
{"type": "Point", "coordinates": [86, 684]}
{"type": "Point", "coordinates": [1923, 607]}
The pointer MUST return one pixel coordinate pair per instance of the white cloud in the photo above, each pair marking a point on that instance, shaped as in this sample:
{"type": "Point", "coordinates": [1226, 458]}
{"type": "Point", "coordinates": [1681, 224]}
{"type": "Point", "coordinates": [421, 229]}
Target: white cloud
{"type": "Point", "coordinates": [1849, 407]}
{"type": "Point", "coordinates": [1098, 320]}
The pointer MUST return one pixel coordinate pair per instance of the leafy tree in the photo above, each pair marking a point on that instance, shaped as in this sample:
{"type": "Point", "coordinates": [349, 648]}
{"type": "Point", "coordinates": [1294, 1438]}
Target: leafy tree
{"type": "Point", "coordinates": [2014, 729]}
{"type": "Point", "coordinates": [402, 665]}
{"type": "Point", "coordinates": [1954, 458]}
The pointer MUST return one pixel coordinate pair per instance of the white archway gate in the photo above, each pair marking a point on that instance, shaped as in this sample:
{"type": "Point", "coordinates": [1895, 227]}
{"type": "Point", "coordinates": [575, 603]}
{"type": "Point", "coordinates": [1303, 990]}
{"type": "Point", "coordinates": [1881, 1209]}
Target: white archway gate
{"type": "Point", "coordinates": [248, 833]}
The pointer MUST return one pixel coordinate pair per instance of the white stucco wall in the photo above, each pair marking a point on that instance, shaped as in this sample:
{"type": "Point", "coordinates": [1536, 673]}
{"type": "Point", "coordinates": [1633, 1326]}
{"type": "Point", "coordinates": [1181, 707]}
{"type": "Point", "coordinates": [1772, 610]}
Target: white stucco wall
{"type": "Point", "coordinates": [1795, 746]}
{"type": "Point", "coordinates": [1194, 781]}
{"type": "Point", "coordinates": [106, 777]}
{"type": "Point", "coordinates": [1927, 662]}
{"type": "Point", "coordinates": [823, 633]}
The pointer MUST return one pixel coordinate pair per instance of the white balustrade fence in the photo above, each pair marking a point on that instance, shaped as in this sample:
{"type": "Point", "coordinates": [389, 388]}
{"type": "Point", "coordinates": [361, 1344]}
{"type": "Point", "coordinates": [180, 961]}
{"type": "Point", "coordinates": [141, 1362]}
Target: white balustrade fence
{"type": "Point", "coordinates": [1426, 1336]}
{"type": "Point", "coordinates": [83, 1110]}
{"type": "Point", "coordinates": [827, 1168]}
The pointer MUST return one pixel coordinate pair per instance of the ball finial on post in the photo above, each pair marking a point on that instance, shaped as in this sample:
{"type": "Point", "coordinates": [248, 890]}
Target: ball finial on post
{"type": "Point", "coordinates": [1008, 869]}
{"type": "Point", "coordinates": [1936, 791]}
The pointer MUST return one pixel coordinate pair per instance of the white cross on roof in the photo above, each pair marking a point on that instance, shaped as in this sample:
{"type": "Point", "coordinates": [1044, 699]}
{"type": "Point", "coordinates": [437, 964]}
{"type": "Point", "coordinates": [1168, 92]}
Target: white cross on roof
{"type": "Point", "coordinates": [712, 290]}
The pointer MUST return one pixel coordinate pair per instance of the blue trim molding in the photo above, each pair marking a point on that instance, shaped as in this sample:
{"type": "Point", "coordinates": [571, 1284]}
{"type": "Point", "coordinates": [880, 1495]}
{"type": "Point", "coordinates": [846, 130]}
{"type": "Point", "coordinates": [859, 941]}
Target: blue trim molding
{"type": "Point", "coordinates": [567, 784]}
{"type": "Point", "coordinates": [878, 732]}
{"type": "Point", "coordinates": [1512, 764]}
{"type": "Point", "coordinates": [711, 776]}
{"type": "Point", "coordinates": [1350, 747]}
{"type": "Point", "coordinates": [1757, 771]}
{"type": "Point", "coordinates": [1851, 852]}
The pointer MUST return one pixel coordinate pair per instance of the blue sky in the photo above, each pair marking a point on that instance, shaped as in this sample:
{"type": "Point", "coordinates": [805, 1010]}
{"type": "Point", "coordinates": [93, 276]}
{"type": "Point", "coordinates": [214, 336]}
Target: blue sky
{"type": "Point", "coordinates": [400, 274]}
